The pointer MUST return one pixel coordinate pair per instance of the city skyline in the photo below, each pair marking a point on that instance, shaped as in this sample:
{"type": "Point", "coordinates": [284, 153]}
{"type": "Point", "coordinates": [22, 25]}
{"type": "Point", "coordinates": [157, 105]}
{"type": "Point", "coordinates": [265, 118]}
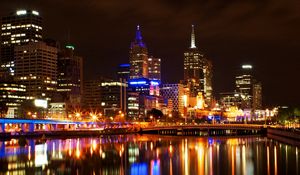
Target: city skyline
{"type": "Point", "coordinates": [170, 40]}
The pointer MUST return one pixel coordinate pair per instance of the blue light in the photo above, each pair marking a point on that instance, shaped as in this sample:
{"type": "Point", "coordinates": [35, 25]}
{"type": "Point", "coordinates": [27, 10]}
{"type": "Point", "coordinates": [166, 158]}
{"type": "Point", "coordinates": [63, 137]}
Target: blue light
{"type": "Point", "coordinates": [138, 169]}
{"type": "Point", "coordinates": [155, 82]}
{"type": "Point", "coordinates": [209, 117]}
{"type": "Point", "coordinates": [210, 141]}
{"type": "Point", "coordinates": [137, 82]}
{"type": "Point", "coordinates": [124, 65]}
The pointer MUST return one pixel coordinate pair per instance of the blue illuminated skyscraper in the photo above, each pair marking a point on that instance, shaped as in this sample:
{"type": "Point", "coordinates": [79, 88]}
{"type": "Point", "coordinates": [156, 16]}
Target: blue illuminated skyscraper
{"type": "Point", "coordinates": [138, 57]}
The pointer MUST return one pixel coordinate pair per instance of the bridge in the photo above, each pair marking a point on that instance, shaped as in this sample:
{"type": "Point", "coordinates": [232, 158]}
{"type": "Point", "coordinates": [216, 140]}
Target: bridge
{"type": "Point", "coordinates": [31, 125]}
{"type": "Point", "coordinates": [205, 129]}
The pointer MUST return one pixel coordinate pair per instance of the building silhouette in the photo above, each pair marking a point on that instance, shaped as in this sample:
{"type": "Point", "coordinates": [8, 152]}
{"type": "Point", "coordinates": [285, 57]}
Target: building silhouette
{"type": "Point", "coordinates": [70, 76]}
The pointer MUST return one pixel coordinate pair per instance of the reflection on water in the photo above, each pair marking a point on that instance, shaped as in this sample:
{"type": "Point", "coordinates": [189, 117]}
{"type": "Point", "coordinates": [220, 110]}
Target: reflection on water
{"type": "Point", "coordinates": [149, 154]}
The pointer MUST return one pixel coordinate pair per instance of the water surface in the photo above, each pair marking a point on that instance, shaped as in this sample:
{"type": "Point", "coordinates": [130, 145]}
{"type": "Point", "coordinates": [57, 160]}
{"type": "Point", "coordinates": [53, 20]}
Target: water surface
{"type": "Point", "coordinates": [150, 154]}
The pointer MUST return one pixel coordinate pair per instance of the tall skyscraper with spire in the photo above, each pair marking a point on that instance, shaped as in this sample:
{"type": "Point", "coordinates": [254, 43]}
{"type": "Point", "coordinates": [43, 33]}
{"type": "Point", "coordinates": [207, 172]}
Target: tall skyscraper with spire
{"type": "Point", "coordinates": [138, 57]}
{"type": "Point", "coordinates": [197, 71]}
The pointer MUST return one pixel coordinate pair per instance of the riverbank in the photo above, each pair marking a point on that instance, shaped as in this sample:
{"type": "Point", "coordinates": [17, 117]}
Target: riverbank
{"type": "Point", "coordinates": [68, 133]}
{"type": "Point", "coordinates": [283, 135]}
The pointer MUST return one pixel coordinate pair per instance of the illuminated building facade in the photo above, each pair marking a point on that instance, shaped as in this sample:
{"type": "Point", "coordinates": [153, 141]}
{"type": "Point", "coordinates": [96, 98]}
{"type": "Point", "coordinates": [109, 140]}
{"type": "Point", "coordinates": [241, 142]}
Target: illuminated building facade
{"type": "Point", "coordinates": [12, 95]}
{"type": "Point", "coordinates": [257, 96]}
{"type": "Point", "coordinates": [154, 68]}
{"type": "Point", "coordinates": [113, 97]}
{"type": "Point", "coordinates": [174, 94]}
{"type": "Point", "coordinates": [143, 95]}
{"type": "Point", "coordinates": [36, 68]}
{"type": "Point", "coordinates": [197, 72]}
{"type": "Point", "coordinates": [18, 28]}
{"type": "Point", "coordinates": [70, 76]}
{"type": "Point", "coordinates": [92, 95]}
{"type": "Point", "coordinates": [138, 57]}
{"type": "Point", "coordinates": [230, 99]}
{"type": "Point", "coordinates": [248, 87]}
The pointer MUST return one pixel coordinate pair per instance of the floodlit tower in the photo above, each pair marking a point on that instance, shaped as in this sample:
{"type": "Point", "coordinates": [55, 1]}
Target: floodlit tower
{"type": "Point", "coordinates": [138, 57]}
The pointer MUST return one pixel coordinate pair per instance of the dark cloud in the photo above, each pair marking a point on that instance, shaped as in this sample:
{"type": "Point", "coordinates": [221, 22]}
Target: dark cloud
{"type": "Point", "coordinates": [264, 33]}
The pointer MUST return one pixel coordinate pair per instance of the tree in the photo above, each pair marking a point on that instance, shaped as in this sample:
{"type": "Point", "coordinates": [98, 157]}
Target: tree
{"type": "Point", "coordinates": [26, 108]}
{"type": "Point", "coordinates": [156, 113]}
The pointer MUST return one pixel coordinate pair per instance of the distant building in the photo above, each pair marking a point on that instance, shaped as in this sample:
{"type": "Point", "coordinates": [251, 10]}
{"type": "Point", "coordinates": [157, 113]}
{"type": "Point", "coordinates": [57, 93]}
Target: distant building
{"type": "Point", "coordinates": [92, 95]}
{"type": "Point", "coordinates": [58, 110]}
{"type": "Point", "coordinates": [138, 57]}
{"type": "Point", "coordinates": [70, 76]}
{"type": "Point", "coordinates": [257, 96]}
{"type": "Point", "coordinates": [36, 68]}
{"type": "Point", "coordinates": [174, 94]}
{"type": "Point", "coordinates": [247, 86]}
{"type": "Point", "coordinates": [154, 68]}
{"type": "Point", "coordinates": [123, 72]}
{"type": "Point", "coordinates": [230, 99]}
{"type": "Point", "coordinates": [113, 97]}
{"type": "Point", "coordinates": [197, 72]}
{"type": "Point", "coordinates": [11, 96]}
{"type": "Point", "coordinates": [143, 95]}
{"type": "Point", "coordinates": [18, 28]}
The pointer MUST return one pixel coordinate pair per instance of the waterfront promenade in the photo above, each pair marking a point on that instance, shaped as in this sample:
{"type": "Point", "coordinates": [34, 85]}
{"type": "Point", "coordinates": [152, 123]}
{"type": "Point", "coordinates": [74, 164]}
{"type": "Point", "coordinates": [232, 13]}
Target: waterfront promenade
{"type": "Point", "coordinates": [15, 128]}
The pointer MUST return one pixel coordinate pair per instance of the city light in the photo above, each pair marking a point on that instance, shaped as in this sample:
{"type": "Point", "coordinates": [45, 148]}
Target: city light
{"type": "Point", "coordinates": [35, 12]}
{"type": "Point", "coordinates": [21, 12]}
{"type": "Point", "coordinates": [247, 66]}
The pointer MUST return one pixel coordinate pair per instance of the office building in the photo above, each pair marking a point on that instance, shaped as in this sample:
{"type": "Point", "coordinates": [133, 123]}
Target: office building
{"type": "Point", "coordinates": [138, 57]}
{"type": "Point", "coordinates": [70, 76]}
{"type": "Point", "coordinates": [154, 68]}
{"type": "Point", "coordinates": [174, 95]}
{"type": "Point", "coordinates": [197, 72]}
{"type": "Point", "coordinates": [257, 96]}
{"type": "Point", "coordinates": [113, 97]}
{"type": "Point", "coordinates": [249, 88]}
{"type": "Point", "coordinates": [11, 97]}
{"type": "Point", "coordinates": [123, 72]}
{"type": "Point", "coordinates": [230, 99]}
{"type": "Point", "coordinates": [36, 68]}
{"type": "Point", "coordinates": [92, 95]}
{"type": "Point", "coordinates": [143, 95]}
{"type": "Point", "coordinates": [18, 28]}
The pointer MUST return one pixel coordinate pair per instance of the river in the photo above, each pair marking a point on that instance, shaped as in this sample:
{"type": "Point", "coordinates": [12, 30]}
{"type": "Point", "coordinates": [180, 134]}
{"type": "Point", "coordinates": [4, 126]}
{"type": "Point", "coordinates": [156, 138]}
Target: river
{"type": "Point", "coordinates": [150, 154]}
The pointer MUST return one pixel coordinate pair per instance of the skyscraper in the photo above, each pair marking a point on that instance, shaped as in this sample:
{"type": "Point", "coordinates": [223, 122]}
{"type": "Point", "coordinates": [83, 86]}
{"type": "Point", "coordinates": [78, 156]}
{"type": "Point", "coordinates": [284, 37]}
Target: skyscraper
{"type": "Point", "coordinates": [18, 28]}
{"type": "Point", "coordinates": [257, 96]}
{"type": "Point", "coordinates": [243, 84]}
{"type": "Point", "coordinates": [197, 71]}
{"type": "Point", "coordinates": [138, 57]}
{"type": "Point", "coordinates": [70, 75]}
{"type": "Point", "coordinates": [249, 88]}
{"type": "Point", "coordinates": [113, 97]}
{"type": "Point", "coordinates": [36, 68]}
{"type": "Point", "coordinates": [154, 68]}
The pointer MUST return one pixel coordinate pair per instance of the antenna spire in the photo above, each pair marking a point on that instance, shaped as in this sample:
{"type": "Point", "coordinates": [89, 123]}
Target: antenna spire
{"type": "Point", "coordinates": [138, 34]}
{"type": "Point", "coordinates": [193, 45]}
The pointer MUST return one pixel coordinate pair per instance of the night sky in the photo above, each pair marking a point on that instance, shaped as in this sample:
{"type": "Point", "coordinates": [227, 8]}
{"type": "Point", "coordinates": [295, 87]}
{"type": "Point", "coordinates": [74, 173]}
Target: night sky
{"type": "Point", "coordinates": [264, 33]}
